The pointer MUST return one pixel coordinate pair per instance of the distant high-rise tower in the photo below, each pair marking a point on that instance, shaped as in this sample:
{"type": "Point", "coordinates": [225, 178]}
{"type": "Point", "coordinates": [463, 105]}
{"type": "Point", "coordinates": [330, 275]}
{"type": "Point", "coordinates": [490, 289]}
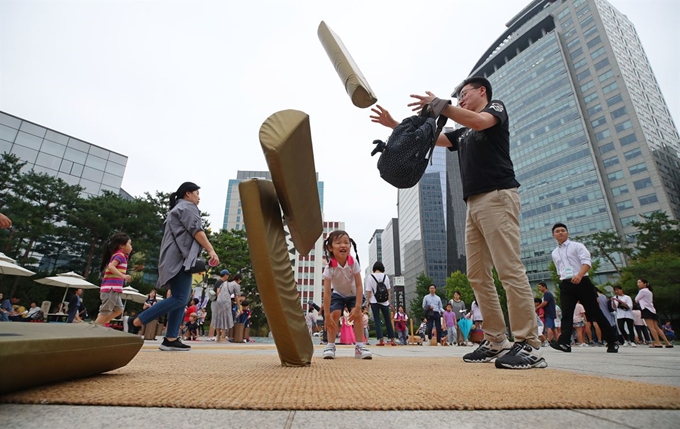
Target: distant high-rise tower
{"type": "Point", "coordinates": [591, 137]}
{"type": "Point", "coordinates": [422, 226]}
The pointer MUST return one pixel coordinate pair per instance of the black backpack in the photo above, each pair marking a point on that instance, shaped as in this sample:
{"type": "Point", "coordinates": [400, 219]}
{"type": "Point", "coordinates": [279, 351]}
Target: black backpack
{"type": "Point", "coordinates": [381, 294]}
{"type": "Point", "coordinates": [405, 155]}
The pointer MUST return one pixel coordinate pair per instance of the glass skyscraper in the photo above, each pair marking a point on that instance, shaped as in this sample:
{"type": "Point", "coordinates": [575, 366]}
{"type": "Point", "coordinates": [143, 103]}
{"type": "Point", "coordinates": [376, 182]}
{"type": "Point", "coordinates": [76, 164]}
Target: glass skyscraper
{"type": "Point", "coordinates": [422, 226]}
{"type": "Point", "coordinates": [592, 141]}
{"type": "Point", "coordinates": [75, 161]}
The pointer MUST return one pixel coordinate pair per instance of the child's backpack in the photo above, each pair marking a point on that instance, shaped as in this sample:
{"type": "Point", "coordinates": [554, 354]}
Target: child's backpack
{"type": "Point", "coordinates": [381, 294]}
{"type": "Point", "coordinates": [405, 155]}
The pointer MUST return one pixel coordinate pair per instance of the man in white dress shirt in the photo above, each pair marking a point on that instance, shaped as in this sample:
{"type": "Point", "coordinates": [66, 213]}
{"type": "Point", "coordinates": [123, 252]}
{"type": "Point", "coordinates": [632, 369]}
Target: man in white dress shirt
{"type": "Point", "coordinates": [572, 261]}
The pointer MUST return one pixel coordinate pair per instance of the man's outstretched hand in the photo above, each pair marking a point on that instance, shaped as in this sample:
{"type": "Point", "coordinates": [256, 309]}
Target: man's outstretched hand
{"type": "Point", "coordinates": [383, 117]}
{"type": "Point", "coordinates": [417, 106]}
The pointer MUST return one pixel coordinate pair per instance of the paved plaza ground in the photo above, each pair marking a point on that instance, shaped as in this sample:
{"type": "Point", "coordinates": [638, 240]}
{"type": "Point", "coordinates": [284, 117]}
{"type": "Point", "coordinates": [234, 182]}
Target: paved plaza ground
{"type": "Point", "coordinates": [642, 364]}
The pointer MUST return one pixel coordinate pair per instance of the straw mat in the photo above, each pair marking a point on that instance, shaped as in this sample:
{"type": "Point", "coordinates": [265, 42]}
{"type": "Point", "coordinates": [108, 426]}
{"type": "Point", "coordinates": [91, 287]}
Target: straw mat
{"type": "Point", "coordinates": [257, 382]}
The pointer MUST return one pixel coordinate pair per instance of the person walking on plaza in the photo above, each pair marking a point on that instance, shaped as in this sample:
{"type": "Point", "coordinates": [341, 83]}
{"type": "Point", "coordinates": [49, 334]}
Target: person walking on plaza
{"type": "Point", "coordinates": [548, 305]}
{"type": "Point", "coordinates": [432, 305]}
{"type": "Point", "coordinates": [451, 325]}
{"type": "Point", "coordinates": [400, 318]}
{"type": "Point", "coordinates": [460, 310]}
{"type": "Point", "coordinates": [74, 306]}
{"type": "Point", "coordinates": [183, 238]}
{"type": "Point", "coordinates": [382, 307]}
{"type": "Point", "coordinates": [572, 261]}
{"type": "Point", "coordinates": [624, 316]}
{"type": "Point", "coordinates": [645, 298]}
{"type": "Point", "coordinates": [492, 231]}
{"type": "Point", "coordinates": [114, 269]}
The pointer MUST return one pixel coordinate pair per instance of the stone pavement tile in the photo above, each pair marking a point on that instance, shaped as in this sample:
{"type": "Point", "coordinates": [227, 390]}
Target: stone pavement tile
{"type": "Point", "coordinates": [543, 419]}
{"type": "Point", "coordinates": [643, 419]}
{"type": "Point", "coordinates": [70, 417]}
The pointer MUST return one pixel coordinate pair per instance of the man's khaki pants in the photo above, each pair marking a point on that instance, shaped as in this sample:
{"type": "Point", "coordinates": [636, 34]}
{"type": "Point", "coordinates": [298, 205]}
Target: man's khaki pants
{"type": "Point", "coordinates": [492, 238]}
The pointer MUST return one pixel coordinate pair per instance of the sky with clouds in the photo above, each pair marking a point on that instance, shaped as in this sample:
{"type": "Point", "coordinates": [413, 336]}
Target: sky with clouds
{"type": "Point", "coordinates": [182, 87]}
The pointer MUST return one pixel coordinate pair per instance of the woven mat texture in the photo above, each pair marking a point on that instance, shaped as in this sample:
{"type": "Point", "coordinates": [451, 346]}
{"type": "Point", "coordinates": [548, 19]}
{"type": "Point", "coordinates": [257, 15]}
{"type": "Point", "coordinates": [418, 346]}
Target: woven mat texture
{"type": "Point", "coordinates": [232, 381]}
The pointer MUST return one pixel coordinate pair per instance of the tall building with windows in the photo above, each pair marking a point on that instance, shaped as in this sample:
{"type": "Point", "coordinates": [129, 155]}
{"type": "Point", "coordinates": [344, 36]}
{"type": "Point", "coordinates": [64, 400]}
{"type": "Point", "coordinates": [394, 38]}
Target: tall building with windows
{"type": "Point", "coordinates": [456, 210]}
{"type": "Point", "coordinates": [591, 137]}
{"type": "Point", "coordinates": [390, 248]}
{"type": "Point", "coordinates": [233, 218]}
{"type": "Point", "coordinates": [422, 226]}
{"type": "Point", "coordinates": [375, 252]}
{"type": "Point", "coordinates": [57, 154]}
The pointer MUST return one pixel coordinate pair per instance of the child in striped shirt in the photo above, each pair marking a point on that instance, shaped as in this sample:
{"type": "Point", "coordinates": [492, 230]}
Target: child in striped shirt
{"type": "Point", "coordinates": [114, 267]}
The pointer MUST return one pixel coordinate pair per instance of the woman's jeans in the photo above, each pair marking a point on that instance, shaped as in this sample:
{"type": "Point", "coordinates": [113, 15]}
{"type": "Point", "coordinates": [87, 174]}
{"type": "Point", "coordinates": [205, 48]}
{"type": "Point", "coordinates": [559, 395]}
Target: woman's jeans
{"type": "Point", "coordinates": [180, 289]}
{"type": "Point", "coordinates": [385, 310]}
{"type": "Point", "coordinates": [451, 332]}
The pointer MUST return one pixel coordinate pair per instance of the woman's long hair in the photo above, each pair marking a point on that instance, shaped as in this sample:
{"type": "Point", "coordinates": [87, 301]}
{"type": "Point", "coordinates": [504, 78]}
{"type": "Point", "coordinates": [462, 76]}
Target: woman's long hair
{"type": "Point", "coordinates": [182, 191]}
{"type": "Point", "coordinates": [646, 283]}
{"type": "Point", "coordinates": [119, 239]}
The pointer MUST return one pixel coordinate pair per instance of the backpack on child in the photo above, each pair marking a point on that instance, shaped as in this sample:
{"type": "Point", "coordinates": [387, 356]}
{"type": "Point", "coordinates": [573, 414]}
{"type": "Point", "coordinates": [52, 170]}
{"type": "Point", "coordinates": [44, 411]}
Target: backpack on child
{"type": "Point", "coordinates": [381, 294]}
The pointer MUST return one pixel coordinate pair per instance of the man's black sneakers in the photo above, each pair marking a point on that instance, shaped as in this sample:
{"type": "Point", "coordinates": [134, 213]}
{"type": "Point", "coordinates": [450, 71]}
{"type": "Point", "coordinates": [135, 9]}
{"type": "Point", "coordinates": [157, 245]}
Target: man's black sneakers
{"type": "Point", "coordinates": [488, 351]}
{"type": "Point", "coordinates": [174, 346]}
{"type": "Point", "coordinates": [612, 348]}
{"type": "Point", "coordinates": [522, 356]}
{"type": "Point", "coordinates": [561, 347]}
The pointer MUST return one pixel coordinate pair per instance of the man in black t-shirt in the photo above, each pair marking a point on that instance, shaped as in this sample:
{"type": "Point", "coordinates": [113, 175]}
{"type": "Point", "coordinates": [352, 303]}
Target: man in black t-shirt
{"type": "Point", "coordinates": [492, 234]}
{"type": "Point", "coordinates": [548, 304]}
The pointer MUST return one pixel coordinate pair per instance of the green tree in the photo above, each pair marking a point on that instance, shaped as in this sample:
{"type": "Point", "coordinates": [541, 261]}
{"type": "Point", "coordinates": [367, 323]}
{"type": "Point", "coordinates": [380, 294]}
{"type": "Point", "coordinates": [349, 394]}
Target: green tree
{"type": "Point", "coordinates": [458, 281]}
{"type": "Point", "coordinates": [657, 233]}
{"type": "Point", "coordinates": [606, 244]}
{"type": "Point", "coordinates": [232, 248]}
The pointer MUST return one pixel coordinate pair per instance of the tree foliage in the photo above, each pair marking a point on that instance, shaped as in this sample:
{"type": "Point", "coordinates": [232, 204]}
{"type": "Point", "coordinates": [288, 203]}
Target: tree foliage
{"type": "Point", "coordinates": [606, 244]}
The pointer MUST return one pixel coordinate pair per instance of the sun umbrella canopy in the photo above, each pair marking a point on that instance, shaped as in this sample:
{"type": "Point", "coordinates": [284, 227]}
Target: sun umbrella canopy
{"type": "Point", "coordinates": [67, 280]}
{"type": "Point", "coordinates": [6, 258]}
{"type": "Point", "coordinates": [132, 294]}
{"type": "Point", "coordinates": [10, 269]}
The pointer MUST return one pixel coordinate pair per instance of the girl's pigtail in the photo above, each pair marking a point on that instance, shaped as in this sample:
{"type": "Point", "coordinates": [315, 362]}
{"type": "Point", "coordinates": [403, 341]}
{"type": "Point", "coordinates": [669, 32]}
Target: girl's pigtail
{"type": "Point", "coordinates": [355, 250]}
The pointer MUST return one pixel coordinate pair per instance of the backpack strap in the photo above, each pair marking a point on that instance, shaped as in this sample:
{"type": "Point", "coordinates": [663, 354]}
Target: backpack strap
{"type": "Point", "coordinates": [434, 110]}
{"type": "Point", "coordinates": [376, 284]}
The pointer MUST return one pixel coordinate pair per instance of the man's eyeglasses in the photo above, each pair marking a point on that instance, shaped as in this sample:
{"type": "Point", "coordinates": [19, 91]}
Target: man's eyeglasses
{"type": "Point", "coordinates": [464, 93]}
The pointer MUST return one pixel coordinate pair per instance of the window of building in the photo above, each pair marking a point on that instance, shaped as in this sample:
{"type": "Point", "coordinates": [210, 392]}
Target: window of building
{"type": "Point", "coordinates": [643, 183]}
{"type": "Point", "coordinates": [567, 23]}
{"type": "Point", "coordinates": [632, 154]}
{"type": "Point", "coordinates": [595, 109]}
{"type": "Point", "coordinates": [623, 189]}
{"type": "Point", "coordinates": [603, 135]}
{"type": "Point", "coordinates": [607, 148]}
{"type": "Point", "coordinates": [616, 175]}
{"type": "Point", "coordinates": [618, 112]}
{"type": "Point", "coordinates": [628, 139]}
{"type": "Point", "coordinates": [599, 121]}
{"type": "Point", "coordinates": [624, 205]}
{"type": "Point", "coordinates": [586, 22]}
{"type": "Point", "coordinates": [594, 42]}
{"type": "Point", "coordinates": [637, 168]}
{"type": "Point", "coordinates": [576, 53]}
{"type": "Point", "coordinates": [606, 75]}
{"type": "Point", "coordinates": [562, 14]}
{"type": "Point", "coordinates": [598, 53]}
{"type": "Point", "coordinates": [602, 64]}
{"type": "Point", "coordinates": [614, 160]}
{"type": "Point", "coordinates": [609, 88]}
{"type": "Point", "coordinates": [648, 199]}
{"type": "Point", "coordinates": [580, 63]}
{"type": "Point", "coordinates": [586, 86]}
{"type": "Point", "coordinates": [584, 74]}
{"type": "Point", "coordinates": [623, 126]}
{"type": "Point", "coordinates": [628, 220]}
{"type": "Point", "coordinates": [590, 97]}
{"type": "Point", "coordinates": [615, 99]}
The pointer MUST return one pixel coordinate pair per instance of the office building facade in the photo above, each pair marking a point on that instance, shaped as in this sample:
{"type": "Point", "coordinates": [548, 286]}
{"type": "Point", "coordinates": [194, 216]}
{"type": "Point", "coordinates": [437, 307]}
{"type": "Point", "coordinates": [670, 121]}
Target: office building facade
{"type": "Point", "coordinates": [374, 251]}
{"type": "Point", "coordinates": [422, 226]}
{"type": "Point", "coordinates": [57, 154]}
{"type": "Point", "coordinates": [591, 138]}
